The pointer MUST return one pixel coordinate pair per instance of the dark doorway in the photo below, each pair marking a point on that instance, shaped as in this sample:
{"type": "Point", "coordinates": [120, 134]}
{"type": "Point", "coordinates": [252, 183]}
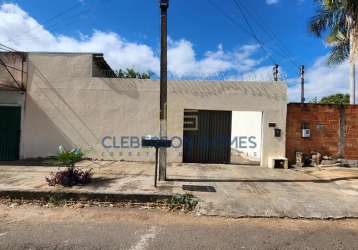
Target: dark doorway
{"type": "Point", "coordinates": [10, 120]}
{"type": "Point", "coordinates": [207, 136]}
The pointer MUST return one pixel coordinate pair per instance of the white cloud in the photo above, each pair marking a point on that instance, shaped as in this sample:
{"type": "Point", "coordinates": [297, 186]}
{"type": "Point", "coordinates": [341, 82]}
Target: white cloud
{"type": "Point", "coordinates": [270, 2]}
{"type": "Point", "coordinates": [28, 35]}
{"type": "Point", "coordinates": [182, 60]}
{"type": "Point", "coordinates": [321, 80]}
{"type": "Point", "coordinates": [260, 74]}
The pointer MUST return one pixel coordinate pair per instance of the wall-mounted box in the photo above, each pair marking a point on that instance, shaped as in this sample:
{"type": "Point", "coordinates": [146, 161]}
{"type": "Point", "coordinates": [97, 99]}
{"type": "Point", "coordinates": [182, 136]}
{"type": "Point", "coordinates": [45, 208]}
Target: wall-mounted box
{"type": "Point", "coordinates": [306, 133]}
{"type": "Point", "coordinates": [277, 132]}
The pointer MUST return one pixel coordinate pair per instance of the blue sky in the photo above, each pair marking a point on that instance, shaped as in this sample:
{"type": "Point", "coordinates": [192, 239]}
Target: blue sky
{"type": "Point", "coordinates": [203, 42]}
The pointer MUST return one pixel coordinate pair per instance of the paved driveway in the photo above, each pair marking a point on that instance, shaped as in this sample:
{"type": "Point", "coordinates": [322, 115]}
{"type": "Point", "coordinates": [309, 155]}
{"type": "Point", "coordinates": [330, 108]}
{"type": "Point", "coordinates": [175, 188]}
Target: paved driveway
{"type": "Point", "coordinates": [281, 199]}
{"type": "Point", "coordinates": [261, 192]}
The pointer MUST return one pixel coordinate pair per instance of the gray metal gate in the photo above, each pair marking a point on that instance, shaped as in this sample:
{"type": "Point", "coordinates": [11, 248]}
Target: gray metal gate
{"type": "Point", "coordinates": [207, 136]}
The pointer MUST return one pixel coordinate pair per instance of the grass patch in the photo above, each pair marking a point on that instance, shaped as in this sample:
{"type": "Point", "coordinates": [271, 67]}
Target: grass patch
{"type": "Point", "coordinates": [56, 200]}
{"type": "Point", "coordinates": [184, 202]}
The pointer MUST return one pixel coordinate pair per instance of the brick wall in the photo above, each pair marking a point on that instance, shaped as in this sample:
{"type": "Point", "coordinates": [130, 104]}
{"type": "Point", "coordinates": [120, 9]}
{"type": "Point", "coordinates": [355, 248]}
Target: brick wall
{"type": "Point", "coordinates": [328, 135]}
{"type": "Point", "coordinates": [351, 133]}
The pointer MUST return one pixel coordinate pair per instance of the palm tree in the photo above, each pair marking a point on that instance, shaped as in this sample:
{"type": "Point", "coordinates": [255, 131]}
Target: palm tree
{"type": "Point", "coordinates": [338, 20]}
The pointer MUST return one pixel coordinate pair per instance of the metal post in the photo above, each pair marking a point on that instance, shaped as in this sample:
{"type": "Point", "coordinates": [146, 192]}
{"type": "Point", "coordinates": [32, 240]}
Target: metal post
{"type": "Point", "coordinates": [275, 72]}
{"type": "Point", "coordinates": [302, 72]}
{"type": "Point", "coordinates": [353, 84]}
{"type": "Point", "coordinates": [164, 4]}
{"type": "Point", "coordinates": [156, 167]}
{"type": "Point", "coordinates": [352, 60]}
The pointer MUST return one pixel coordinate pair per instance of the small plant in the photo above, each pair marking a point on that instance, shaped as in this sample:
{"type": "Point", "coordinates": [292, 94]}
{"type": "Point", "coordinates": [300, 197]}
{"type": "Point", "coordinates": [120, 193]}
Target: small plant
{"type": "Point", "coordinates": [71, 176]}
{"type": "Point", "coordinates": [186, 202]}
{"type": "Point", "coordinates": [69, 158]}
{"type": "Point", "coordinates": [55, 200]}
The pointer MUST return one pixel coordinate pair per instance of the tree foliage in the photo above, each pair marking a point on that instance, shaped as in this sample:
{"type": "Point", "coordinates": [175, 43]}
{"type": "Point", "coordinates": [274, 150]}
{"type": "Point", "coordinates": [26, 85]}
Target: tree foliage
{"type": "Point", "coordinates": [131, 73]}
{"type": "Point", "coordinates": [338, 21]}
{"type": "Point", "coordinates": [335, 99]}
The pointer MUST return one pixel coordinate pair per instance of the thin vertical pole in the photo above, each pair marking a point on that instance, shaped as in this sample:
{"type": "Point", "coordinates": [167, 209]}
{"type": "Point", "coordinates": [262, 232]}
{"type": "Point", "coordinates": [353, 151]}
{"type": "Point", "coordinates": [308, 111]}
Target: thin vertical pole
{"type": "Point", "coordinates": [302, 72]}
{"type": "Point", "coordinates": [353, 84]}
{"type": "Point", "coordinates": [275, 72]}
{"type": "Point", "coordinates": [164, 4]}
{"type": "Point", "coordinates": [352, 60]}
{"type": "Point", "coordinates": [156, 167]}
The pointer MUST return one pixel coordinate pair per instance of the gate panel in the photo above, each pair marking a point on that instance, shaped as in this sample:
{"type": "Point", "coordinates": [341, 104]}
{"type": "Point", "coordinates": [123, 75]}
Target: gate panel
{"type": "Point", "coordinates": [207, 141]}
{"type": "Point", "coordinates": [10, 122]}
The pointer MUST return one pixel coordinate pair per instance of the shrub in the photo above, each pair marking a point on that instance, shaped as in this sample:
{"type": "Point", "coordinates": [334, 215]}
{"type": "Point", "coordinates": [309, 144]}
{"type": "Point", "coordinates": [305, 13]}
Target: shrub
{"type": "Point", "coordinates": [186, 202]}
{"type": "Point", "coordinates": [71, 176]}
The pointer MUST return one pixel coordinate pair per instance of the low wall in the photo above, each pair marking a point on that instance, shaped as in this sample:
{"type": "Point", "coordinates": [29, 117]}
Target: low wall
{"type": "Point", "coordinates": [334, 130]}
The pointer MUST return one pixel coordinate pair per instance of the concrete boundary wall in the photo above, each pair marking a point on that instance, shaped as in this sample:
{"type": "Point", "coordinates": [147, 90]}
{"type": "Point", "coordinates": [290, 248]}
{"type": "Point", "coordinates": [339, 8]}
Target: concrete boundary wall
{"type": "Point", "coordinates": [334, 130]}
{"type": "Point", "coordinates": [66, 106]}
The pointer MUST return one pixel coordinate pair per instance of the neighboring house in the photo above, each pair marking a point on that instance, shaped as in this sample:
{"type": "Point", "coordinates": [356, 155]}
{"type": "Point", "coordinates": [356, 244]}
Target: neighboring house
{"type": "Point", "coordinates": [72, 99]}
{"type": "Point", "coordinates": [328, 129]}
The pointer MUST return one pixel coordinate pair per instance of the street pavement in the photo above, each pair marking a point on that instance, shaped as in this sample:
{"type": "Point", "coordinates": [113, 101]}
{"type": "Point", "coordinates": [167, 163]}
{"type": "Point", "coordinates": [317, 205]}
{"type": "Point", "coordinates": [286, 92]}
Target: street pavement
{"type": "Point", "coordinates": [35, 227]}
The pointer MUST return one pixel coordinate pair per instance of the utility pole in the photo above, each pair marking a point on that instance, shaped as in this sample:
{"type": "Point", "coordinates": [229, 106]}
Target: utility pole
{"type": "Point", "coordinates": [352, 60]}
{"type": "Point", "coordinates": [353, 84]}
{"type": "Point", "coordinates": [302, 72]}
{"type": "Point", "coordinates": [275, 72]}
{"type": "Point", "coordinates": [164, 4]}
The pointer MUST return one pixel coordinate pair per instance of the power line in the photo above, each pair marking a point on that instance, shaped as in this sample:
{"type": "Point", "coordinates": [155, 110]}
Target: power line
{"type": "Point", "coordinates": [19, 85]}
{"type": "Point", "coordinates": [271, 35]}
{"type": "Point", "coordinates": [46, 21]}
{"type": "Point", "coordinates": [249, 32]}
{"type": "Point", "coordinates": [284, 54]}
{"type": "Point", "coordinates": [55, 26]}
{"type": "Point", "coordinates": [282, 50]}
{"type": "Point", "coordinates": [64, 12]}
{"type": "Point", "coordinates": [7, 48]}
{"type": "Point", "coordinates": [252, 31]}
{"type": "Point", "coordinates": [227, 16]}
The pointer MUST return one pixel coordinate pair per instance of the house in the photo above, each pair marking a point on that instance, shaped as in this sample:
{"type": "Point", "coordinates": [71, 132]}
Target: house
{"type": "Point", "coordinates": [74, 100]}
{"type": "Point", "coordinates": [328, 129]}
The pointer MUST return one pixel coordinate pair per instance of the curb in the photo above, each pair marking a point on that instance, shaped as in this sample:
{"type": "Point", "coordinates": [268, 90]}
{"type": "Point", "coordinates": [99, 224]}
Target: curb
{"type": "Point", "coordinates": [81, 196]}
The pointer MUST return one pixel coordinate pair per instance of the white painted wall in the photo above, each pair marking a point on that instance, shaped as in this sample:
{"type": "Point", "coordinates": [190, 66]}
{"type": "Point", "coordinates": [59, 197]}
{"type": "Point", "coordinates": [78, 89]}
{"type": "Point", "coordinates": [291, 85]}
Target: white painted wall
{"type": "Point", "coordinates": [246, 130]}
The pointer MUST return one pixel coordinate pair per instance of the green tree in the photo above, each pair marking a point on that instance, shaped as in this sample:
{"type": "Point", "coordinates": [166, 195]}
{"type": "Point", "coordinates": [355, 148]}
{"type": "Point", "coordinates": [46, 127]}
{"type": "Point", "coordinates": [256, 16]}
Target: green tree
{"type": "Point", "coordinates": [335, 99]}
{"type": "Point", "coordinates": [313, 100]}
{"type": "Point", "coordinates": [131, 73]}
{"type": "Point", "coordinates": [338, 21]}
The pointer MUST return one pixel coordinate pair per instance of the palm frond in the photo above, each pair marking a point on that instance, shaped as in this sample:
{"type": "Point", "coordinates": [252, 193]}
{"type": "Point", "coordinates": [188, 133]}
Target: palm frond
{"type": "Point", "coordinates": [338, 21]}
{"type": "Point", "coordinates": [339, 53]}
{"type": "Point", "coordinates": [322, 21]}
{"type": "Point", "coordinates": [337, 35]}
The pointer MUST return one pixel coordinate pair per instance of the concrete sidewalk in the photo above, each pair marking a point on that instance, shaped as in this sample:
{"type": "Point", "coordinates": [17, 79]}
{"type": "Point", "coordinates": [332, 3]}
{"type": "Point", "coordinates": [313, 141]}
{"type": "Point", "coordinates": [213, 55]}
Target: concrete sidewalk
{"type": "Point", "coordinates": [112, 180]}
{"type": "Point", "coordinates": [226, 190]}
